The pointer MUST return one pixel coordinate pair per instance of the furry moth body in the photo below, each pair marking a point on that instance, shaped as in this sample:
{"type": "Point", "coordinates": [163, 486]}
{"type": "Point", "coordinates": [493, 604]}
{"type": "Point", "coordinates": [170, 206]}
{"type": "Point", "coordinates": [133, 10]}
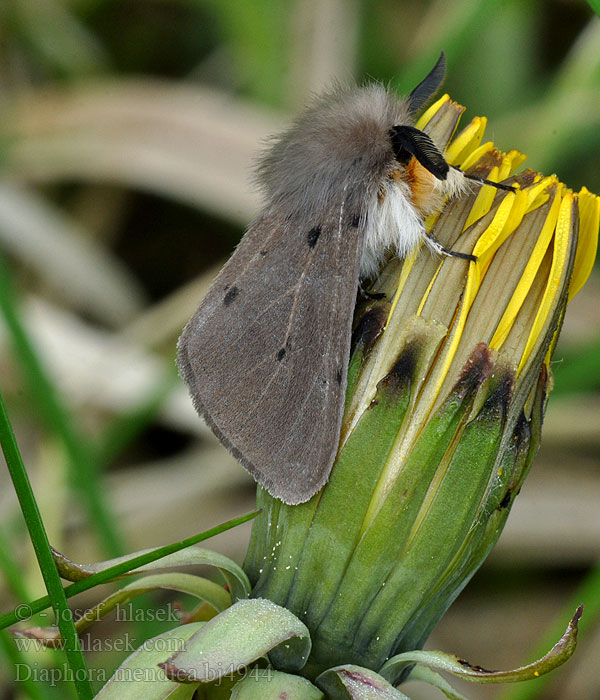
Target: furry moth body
{"type": "Point", "coordinates": [265, 356]}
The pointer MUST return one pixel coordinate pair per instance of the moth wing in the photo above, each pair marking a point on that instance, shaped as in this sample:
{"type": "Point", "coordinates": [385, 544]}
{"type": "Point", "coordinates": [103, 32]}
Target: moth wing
{"type": "Point", "coordinates": [265, 356]}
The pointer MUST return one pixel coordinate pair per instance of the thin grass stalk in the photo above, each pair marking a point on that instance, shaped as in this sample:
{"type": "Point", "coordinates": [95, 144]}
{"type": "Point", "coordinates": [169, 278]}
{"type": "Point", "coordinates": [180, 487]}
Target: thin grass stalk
{"type": "Point", "coordinates": [41, 545]}
{"type": "Point", "coordinates": [13, 577]}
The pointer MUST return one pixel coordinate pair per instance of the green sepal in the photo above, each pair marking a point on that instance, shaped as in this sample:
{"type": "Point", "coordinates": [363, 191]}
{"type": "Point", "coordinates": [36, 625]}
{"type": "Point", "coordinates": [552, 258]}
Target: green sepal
{"type": "Point", "coordinates": [286, 538]}
{"type": "Point", "coordinates": [237, 637]}
{"type": "Point", "coordinates": [368, 326]}
{"type": "Point", "coordinates": [236, 579]}
{"type": "Point", "coordinates": [437, 531]}
{"type": "Point", "coordinates": [504, 485]}
{"type": "Point", "coordinates": [450, 663]}
{"type": "Point", "coordinates": [336, 529]}
{"type": "Point", "coordinates": [140, 678]}
{"type": "Point", "coordinates": [538, 409]}
{"type": "Point", "coordinates": [267, 684]}
{"type": "Point", "coordinates": [263, 529]}
{"type": "Point", "coordinates": [351, 682]}
{"type": "Point", "coordinates": [487, 527]}
{"type": "Point", "coordinates": [426, 675]}
{"type": "Point", "coordinates": [388, 537]}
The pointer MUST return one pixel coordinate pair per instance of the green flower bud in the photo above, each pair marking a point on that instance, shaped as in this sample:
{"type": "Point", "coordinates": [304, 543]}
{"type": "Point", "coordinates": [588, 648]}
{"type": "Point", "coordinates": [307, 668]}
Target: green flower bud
{"type": "Point", "coordinates": [447, 387]}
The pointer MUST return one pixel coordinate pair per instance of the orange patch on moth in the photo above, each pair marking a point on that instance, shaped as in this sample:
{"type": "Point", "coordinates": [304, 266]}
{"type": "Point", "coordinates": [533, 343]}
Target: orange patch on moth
{"type": "Point", "coordinates": [422, 184]}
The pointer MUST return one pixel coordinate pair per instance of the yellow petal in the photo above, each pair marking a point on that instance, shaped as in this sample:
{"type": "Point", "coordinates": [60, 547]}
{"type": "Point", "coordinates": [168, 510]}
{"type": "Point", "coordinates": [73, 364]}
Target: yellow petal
{"type": "Point", "coordinates": [476, 155]}
{"type": "Point", "coordinates": [406, 268]}
{"type": "Point", "coordinates": [587, 245]}
{"type": "Point", "coordinates": [536, 194]}
{"type": "Point", "coordinates": [467, 141]}
{"type": "Point", "coordinates": [426, 117]}
{"type": "Point", "coordinates": [528, 276]}
{"type": "Point", "coordinates": [494, 230]}
{"type": "Point", "coordinates": [562, 238]}
{"type": "Point", "coordinates": [511, 161]}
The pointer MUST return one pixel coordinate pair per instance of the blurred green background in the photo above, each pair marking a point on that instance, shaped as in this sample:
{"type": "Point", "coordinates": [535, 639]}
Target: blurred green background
{"type": "Point", "coordinates": [128, 131]}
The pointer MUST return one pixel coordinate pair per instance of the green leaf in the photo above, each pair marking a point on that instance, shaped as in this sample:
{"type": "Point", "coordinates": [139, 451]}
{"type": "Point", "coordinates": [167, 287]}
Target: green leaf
{"type": "Point", "coordinates": [190, 556]}
{"type": "Point", "coordinates": [422, 673]}
{"type": "Point", "coordinates": [267, 684]}
{"type": "Point", "coordinates": [61, 41]}
{"type": "Point", "coordinates": [357, 683]}
{"type": "Point", "coordinates": [441, 661]}
{"type": "Point", "coordinates": [235, 638]}
{"type": "Point", "coordinates": [139, 676]}
{"type": "Point", "coordinates": [256, 43]}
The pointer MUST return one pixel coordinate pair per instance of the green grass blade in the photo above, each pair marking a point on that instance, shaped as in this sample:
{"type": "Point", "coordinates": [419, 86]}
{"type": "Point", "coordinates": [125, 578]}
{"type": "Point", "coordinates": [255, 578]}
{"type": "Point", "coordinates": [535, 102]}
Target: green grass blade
{"type": "Point", "coordinates": [595, 5]}
{"type": "Point", "coordinates": [43, 553]}
{"type": "Point", "coordinates": [36, 606]}
{"type": "Point", "coordinates": [83, 467]}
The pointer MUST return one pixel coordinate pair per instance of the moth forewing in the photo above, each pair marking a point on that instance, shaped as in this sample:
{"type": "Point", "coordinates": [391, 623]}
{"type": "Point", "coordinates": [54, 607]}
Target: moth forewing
{"type": "Point", "coordinates": [265, 354]}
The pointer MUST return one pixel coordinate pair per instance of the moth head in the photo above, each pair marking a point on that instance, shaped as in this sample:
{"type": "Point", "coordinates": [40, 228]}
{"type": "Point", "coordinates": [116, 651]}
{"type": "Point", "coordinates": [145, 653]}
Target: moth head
{"type": "Point", "coordinates": [421, 166]}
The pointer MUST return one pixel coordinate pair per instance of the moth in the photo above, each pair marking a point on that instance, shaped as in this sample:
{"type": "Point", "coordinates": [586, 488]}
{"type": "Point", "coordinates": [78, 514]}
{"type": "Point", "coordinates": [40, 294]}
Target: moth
{"type": "Point", "coordinates": [265, 356]}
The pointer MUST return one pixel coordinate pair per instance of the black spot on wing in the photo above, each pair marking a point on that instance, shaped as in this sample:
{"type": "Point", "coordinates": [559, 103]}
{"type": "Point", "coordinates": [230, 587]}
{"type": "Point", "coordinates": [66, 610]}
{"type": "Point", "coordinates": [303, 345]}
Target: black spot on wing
{"type": "Point", "coordinates": [230, 296]}
{"type": "Point", "coordinates": [313, 236]}
{"type": "Point", "coordinates": [281, 354]}
{"type": "Point", "coordinates": [339, 376]}
{"type": "Point", "coordinates": [355, 221]}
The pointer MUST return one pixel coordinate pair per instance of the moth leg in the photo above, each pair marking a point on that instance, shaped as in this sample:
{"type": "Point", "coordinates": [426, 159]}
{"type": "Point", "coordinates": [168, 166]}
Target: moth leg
{"type": "Point", "coordinates": [369, 295]}
{"type": "Point", "coordinates": [435, 245]}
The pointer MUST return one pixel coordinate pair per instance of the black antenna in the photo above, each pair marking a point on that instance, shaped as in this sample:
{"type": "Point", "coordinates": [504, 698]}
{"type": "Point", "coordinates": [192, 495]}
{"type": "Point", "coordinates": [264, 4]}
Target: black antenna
{"type": "Point", "coordinates": [483, 181]}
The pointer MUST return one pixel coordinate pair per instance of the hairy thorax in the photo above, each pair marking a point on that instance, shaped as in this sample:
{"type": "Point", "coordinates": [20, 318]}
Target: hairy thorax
{"type": "Point", "coordinates": [339, 154]}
